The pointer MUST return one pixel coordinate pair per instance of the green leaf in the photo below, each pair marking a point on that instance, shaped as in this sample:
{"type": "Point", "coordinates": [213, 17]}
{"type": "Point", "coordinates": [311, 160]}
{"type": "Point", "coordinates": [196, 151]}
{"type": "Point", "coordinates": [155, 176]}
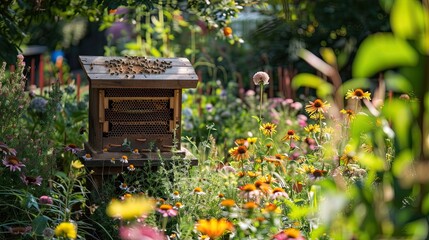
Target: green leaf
{"type": "Point", "coordinates": [372, 162]}
{"type": "Point", "coordinates": [380, 52]}
{"type": "Point", "coordinates": [322, 87]}
{"type": "Point", "coordinates": [400, 114]}
{"type": "Point", "coordinates": [397, 82]}
{"type": "Point", "coordinates": [39, 224]}
{"type": "Point", "coordinates": [407, 19]}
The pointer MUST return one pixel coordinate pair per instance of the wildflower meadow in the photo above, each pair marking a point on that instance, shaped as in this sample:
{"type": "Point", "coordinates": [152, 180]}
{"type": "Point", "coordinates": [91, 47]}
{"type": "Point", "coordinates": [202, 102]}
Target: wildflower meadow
{"type": "Point", "coordinates": [335, 148]}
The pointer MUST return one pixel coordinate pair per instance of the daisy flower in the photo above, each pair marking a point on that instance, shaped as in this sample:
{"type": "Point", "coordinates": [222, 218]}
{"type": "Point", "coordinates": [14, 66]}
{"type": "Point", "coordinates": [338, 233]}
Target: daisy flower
{"type": "Point", "coordinates": [124, 159]}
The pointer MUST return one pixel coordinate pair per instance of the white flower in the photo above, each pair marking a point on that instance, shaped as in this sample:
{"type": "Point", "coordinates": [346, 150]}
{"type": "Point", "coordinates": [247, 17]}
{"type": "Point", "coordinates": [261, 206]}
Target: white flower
{"type": "Point", "coordinates": [261, 78]}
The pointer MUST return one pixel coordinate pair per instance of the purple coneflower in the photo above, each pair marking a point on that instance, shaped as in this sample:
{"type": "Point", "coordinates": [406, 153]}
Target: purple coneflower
{"type": "Point", "coordinates": [32, 180]}
{"type": "Point", "coordinates": [13, 163]}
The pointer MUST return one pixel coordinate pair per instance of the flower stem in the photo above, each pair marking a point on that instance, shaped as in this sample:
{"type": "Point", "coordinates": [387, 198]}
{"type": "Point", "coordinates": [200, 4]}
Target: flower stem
{"type": "Point", "coordinates": [261, 86]}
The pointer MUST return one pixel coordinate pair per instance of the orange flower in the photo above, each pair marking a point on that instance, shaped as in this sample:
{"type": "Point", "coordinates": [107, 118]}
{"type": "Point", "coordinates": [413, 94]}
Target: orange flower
{"type": "Point", "coordinates": [214, 228]}
{"type": "Point", "coordinates": [227, 31]}
{"type": "Point", "coordinates": [240, 153]}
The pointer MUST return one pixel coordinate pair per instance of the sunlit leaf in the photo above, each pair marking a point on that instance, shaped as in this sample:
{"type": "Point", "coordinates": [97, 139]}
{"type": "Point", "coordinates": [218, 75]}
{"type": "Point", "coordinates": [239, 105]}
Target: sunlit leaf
{"type": "Point", "coordinates": [329, 56]}
{"type": "Point", "coordinates": [399, 112]}
{"type": "Point", "coordinates": [380, 52]}
{"type": "Point", "coordinates": [402, 161]}
{"type": "Point", "coordinates": [372, 162]}
{"type": "Point", "coordinates": [397, 82]}
{"type": "Point", "coordinates": [407, 18]}
{"type": "Point", "coordinates": [322, 87]}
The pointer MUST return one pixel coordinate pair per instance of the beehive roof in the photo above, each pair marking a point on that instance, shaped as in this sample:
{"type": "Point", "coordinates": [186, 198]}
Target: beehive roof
{"type": "Point", "coordinates": [139, 72]}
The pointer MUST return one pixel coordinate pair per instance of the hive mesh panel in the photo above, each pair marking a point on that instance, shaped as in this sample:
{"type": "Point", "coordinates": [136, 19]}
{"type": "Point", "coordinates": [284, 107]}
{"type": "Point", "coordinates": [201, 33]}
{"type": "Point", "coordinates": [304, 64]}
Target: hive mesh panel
{"type": "Point", "coordinates": [121, 129]}
{"type": "Point", "coordinates": [138, 92]}
{"type": "Point", "coordinates": [134, 116]}
{"type": "Point", "coordinates": [138, 106]}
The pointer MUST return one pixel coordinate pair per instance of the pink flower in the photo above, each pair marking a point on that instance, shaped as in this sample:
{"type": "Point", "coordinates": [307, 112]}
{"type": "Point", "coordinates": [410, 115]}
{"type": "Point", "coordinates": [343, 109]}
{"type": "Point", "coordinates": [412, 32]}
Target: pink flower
{"type": "Point", "coordinates": [13, 163]}
{"type": "Point", "coordinates": [261, 78]}
{"type": "Point", "coordinates": [167, 210]}
{"type": "Point", "coordinates": [72, 148]}
{"type": "Point", "coordinates": [31, 180]}
{"type": "Point", "coordinates": [139, 232]}
{"type": "Point", "coordinates": [45, 200]}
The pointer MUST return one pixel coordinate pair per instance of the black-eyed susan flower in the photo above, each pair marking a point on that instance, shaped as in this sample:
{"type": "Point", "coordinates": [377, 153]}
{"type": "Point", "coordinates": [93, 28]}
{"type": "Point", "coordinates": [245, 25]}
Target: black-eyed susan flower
{"type": "Point", "coordinates": [130, 208]}
{"type": "Point", "coordinates": [214, 228]}
{"type": "Point", "coordinates": [317, 106]}
{"type": "Point", "coordinates": [349, 114]}
{"type": "Point", "coordinates": [261, 78]}
{"type": "Point", "coordinates": [312, 128]}
{"type": "Point", "coordinates": [291, 135]}
{"type": "Point", "coordinates": [252, 140]}
{"type": "Point", "coordinates": [240, 141]}
{"type": "Point", "coordinates": [240, 153]}
{"type": "Point", "coordinates": [358, 94]}
{"type": "Point", "coordinates": [268, 129]}
{"type": "Point", "coordinates": [13, 163]}
{"type": "Point", "coordinates": [66, 230]}
{"type": "Point", "coordinates": [348, 156]}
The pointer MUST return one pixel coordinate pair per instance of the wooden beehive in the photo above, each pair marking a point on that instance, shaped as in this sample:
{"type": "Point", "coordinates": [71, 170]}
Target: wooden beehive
{"type": "Point", "coordinates": [135, 103]}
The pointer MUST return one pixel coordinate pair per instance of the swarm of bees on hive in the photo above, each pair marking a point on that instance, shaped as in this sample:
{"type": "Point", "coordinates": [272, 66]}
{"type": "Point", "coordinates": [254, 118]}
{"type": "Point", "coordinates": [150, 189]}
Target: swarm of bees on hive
{"type": "Point", "coordinates": [132, 65]}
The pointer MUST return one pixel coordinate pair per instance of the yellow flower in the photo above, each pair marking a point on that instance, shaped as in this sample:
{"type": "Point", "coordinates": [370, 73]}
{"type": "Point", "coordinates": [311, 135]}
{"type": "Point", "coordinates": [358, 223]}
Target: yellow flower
{"type": "Point", "coordinates": [312, 128]}
{"type": "Point", "coordinates": [358, 94]}
{"type": "Point", "coordinates": [317, 106]}
{"type": "Point", "coordinates": [130, 208]}
{"type": "Point", "coordinates": [77, 164]}
{"type": "Point", "coordinates": [250, 205]}
{"type": "Point", "coordinates": [290, 135]}
{"type": "Point", "coordinates": [214, 228]}
{"type": "Point", "coordinates": [252, 140]}
{"type": "Point", "coordinates": [350, 115]}
{"type": "Point", "coordinates": [66, 229]}
{"type": "Point", "coordinates": [240, 141]}
{"type": "Point", "coordinates": [348, 156]}
{"type": "Point", "coordinates": [268, 129]}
